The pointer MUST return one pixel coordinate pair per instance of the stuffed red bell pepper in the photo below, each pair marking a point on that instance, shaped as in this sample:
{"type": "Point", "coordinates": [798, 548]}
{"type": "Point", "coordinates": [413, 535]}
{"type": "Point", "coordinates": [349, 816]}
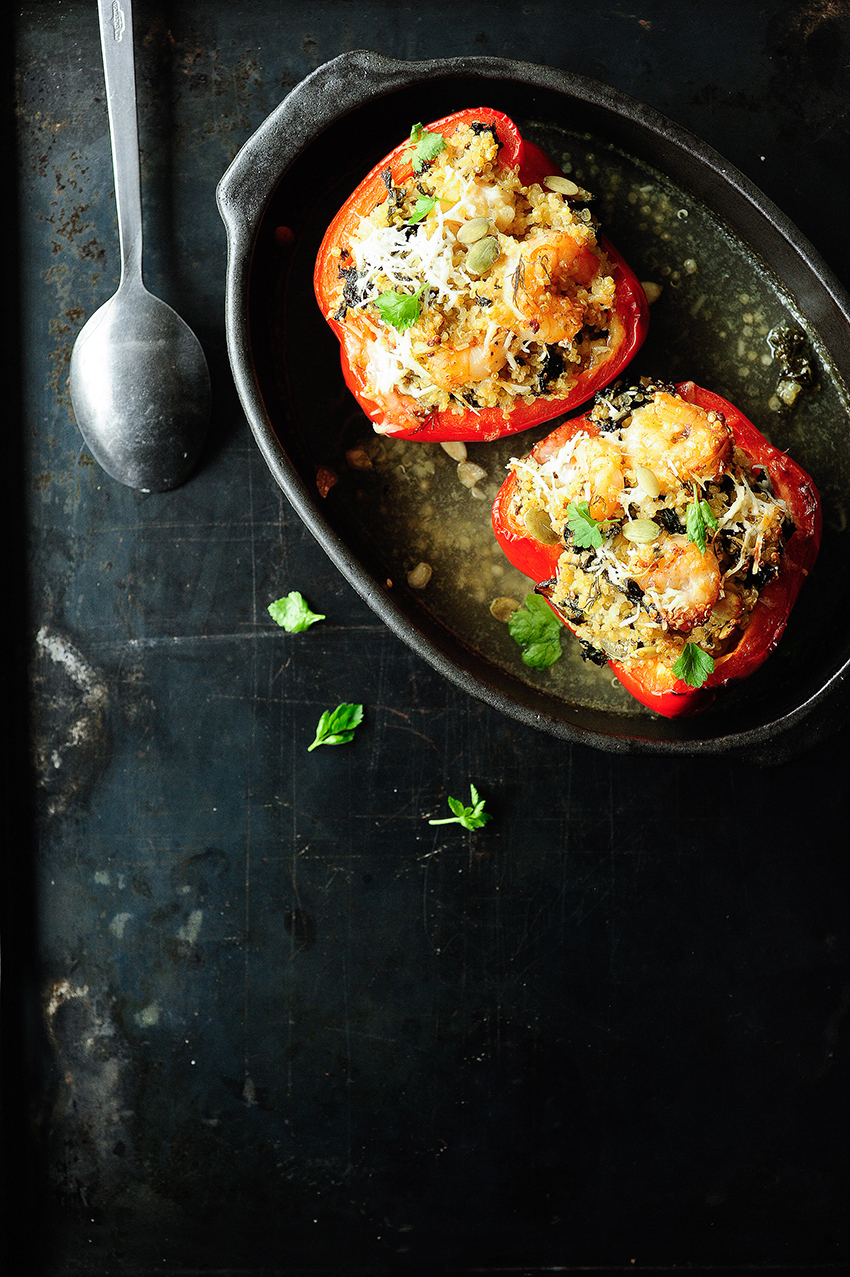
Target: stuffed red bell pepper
{"type": "Point", "coordinates": [667, 534]}
{"type": "Point", "coordinates": [469, 289]}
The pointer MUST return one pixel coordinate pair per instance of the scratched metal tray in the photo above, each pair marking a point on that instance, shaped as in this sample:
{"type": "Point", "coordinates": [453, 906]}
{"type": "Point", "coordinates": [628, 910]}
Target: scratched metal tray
{"type": "Point", "coordinates": [731, 268]}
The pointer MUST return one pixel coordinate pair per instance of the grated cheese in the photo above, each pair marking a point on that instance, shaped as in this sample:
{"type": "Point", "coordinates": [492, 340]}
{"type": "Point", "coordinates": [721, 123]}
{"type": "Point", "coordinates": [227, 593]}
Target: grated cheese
{"type": "Point", "coordinates": [751, 520]}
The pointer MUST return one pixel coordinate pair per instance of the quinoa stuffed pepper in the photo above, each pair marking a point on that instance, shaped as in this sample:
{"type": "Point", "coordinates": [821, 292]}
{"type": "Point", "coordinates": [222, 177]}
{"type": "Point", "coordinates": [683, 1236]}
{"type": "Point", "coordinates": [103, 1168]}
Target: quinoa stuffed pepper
{"type": "Point", "coordinates": [667, 534]}
{"type": "Point", "coordinates": [470, 289]}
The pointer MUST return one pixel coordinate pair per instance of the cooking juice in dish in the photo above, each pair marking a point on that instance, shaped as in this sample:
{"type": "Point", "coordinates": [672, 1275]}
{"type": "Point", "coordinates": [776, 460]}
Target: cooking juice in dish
{"type": "Point", "coordinates": [717, 317]}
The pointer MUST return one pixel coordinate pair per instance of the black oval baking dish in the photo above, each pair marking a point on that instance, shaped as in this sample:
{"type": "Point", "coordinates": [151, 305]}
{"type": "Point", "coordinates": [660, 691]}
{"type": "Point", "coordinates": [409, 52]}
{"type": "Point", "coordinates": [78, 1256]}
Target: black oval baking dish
{"type": "Point", "coordinates": [276, 199]}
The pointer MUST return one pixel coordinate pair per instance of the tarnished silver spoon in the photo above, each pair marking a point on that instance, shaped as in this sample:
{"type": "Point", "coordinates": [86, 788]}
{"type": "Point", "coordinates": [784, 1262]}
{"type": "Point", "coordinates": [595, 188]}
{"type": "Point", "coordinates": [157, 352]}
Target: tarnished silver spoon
{"type": "Point", "coordinates": [140, 385]}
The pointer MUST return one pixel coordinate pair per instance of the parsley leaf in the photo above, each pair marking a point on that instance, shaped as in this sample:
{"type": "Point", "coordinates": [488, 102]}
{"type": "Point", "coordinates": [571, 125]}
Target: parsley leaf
{"type": "Point", "coordinates": [700, 519]}
{"type": "Point", "coordinates": [421, 209]}
{"type": "Point", "coordinates": [586, 531]}
{"type": "Point", "coordinates": [538, 632]}
{"type": "Point", "coordinates": [470, 817]}
{"type": "Point", "coordinates": [426, 147]}
{"type": "Point", "coordinates": [693, 666]}
{"type": "Point", "coordinates": [293, 613]}
{"type": "Point", "coordinates": [336, 727]}
{"type": "Point", "coordinates": [400, 310]}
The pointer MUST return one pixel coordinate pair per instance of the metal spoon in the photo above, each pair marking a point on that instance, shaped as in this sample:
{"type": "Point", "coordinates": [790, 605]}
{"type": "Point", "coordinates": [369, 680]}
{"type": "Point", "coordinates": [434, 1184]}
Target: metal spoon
{"type": "Point", "coordinates": [140, 385]}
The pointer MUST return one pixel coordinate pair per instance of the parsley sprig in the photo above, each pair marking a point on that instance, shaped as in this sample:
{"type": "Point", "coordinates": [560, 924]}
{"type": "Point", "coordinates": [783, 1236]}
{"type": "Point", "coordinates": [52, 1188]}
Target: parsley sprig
{"type": "Point", "coordinates": [472, 817]}
{"type": "Point", "coordinates": [425, 147]}
{"type": "Point", "coordinates": [699, 521]}
{"type": "Point", "coordinates": [293, 614]}
{"type": "Point", "coordinates": [694, 665]}
{"type": "Point", "coordinates": [537, 631]}
{"type": "Point", "coordinates": [421, 209]}
{"type": "Point", "coordinates": [336, 727]}
{"type": "Point", "coordinates": [587, 532]}
{"type": "Point", "coordinates": [400, 310]}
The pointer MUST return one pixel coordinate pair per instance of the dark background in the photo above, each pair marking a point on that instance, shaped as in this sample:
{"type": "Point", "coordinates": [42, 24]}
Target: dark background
{"type": "Point", "coordinates": [259, 1016]}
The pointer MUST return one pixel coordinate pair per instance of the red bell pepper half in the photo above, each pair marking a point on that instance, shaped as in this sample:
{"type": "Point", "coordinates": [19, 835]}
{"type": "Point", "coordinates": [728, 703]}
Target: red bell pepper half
{"type": "Point", "coordinates": [653, 683]}
{"type": "Point", "coordinates": [396, 413]}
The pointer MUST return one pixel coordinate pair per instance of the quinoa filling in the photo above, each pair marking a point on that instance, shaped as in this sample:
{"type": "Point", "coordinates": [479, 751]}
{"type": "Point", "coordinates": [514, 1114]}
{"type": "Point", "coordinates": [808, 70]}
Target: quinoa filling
{"type": "Point", "coordinates": [474, 291]}
{"type": "Point", "coordinates": [669, 530]}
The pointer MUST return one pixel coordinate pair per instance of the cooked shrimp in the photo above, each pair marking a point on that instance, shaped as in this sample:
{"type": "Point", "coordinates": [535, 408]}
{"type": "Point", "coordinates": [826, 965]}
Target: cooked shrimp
{"type": "Point", "coordinates": [678, 441]}
{"type": "Point", "coordinates": [538, 285]}
{"type": "Point", "coordinates": [679, 582]}
{"type": "Point", "coordinates": [452, 368]}
{"type": "Point", "coordinates": [593, 474]}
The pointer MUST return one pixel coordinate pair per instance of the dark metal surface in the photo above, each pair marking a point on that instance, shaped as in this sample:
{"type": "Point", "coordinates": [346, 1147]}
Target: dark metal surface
{"type": "Point", "coordinates": [259, 1016]}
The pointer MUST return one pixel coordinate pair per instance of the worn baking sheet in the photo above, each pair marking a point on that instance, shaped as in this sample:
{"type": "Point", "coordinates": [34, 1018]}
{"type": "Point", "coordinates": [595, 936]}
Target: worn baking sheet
{"type": "Point", "coordinates": [259, 1016]}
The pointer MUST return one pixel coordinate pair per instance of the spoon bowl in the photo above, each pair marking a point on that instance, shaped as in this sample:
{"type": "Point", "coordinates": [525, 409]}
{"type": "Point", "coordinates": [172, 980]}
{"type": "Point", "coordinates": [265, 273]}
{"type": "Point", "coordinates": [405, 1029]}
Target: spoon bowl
{"type": "Point", "coordinates": [140, 389]}
{"type": "Point", "coordinates": [139, 381]}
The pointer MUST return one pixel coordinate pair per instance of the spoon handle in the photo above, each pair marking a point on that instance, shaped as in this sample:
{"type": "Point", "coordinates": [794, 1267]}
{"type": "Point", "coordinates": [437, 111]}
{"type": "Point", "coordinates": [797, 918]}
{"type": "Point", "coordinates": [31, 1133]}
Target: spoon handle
{"type": "Point", "coordinates": [116, 42]}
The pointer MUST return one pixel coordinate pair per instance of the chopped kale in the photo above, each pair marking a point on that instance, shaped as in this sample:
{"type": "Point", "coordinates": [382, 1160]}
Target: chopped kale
{"type": "Point", "coordinates": [480, 126]}
{"type": "Point", "coordinates": [350, 290]}
{"type": "Point", "coordinates": [767, 572]}
{"type": "Point", "coordinates": [613, 407]}
{"type": "Point", "coordinates": [396, 193]}
{"type": "Point", "coordinates": [669, 520]}
{"type": "Point", "coordinates": [592, 654]}
{"type": "Point", "coordinates": [571, 610]}
{"type": "Point", "coordinates": [552, 368]}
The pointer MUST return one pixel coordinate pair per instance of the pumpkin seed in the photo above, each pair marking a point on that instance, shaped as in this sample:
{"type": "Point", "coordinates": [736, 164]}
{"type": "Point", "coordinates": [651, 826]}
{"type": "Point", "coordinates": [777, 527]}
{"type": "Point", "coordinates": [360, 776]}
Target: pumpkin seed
{"type": "Point", "coordinates": [503, 608]}
{"type": "Point", "coordinates": [419, 576]}
{"type": "Point", "coordinates": [562, 185]}
{"type": "Point", "coordinates": [455, 449]}
{"type": "Point", "coordinates": [648, 481]}
{"type": "Point", "coordinates": [470, 474]}
{"type": "Point", "coordinates": [538, 525]}
{"type": "Point", "coordinates": [483, 254]}
{"type": "Point", "coordinates": [641, 530]}
{"type": "Point", "coordinates": [476, 228]}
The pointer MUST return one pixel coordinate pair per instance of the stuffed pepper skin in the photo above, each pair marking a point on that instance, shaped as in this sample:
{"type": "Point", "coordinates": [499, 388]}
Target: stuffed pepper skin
{"type": "Point", "coordinates": [457, 393]}
{"type": "Point", "coordinates": [705, 580]}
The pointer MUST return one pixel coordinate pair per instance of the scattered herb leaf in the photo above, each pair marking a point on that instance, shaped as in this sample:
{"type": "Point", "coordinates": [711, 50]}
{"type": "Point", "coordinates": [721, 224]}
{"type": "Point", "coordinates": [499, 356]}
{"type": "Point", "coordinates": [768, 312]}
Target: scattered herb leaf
{"type": "Point", "coordinates": [700, 519]}
{"type": "Point", "coordinates": [426, 147]}
{"type": "Point", "coordinates": [400, 310]}
{"type": "Point", "coordinates": [336, 727]}
{"type": "Point", "coordinates": [470, 817]}
{"type": "Point", "coordinates": [293, 613]}
{"type": "Point", "coordinates": [537, 631]}
{"type": "Point", "coordinates": [421, 209]}
{"type": "Point", "coordinates": [693, 666]}
{"type": "Point", "coordinates": [586, 531]}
